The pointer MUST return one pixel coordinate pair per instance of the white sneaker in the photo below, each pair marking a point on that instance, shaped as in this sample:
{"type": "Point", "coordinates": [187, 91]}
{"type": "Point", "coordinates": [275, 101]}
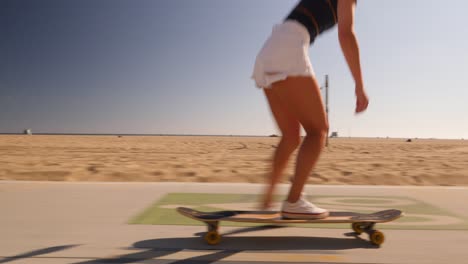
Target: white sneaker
{"type": "Point", "coordinates": [302, 209]}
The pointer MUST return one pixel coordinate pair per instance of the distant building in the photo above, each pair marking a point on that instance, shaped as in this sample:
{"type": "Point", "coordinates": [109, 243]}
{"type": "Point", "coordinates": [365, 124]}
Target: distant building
{"type": "Point", "coordinates": [334, 134]}
{"type": "Point", "coordinates": [27, 132]}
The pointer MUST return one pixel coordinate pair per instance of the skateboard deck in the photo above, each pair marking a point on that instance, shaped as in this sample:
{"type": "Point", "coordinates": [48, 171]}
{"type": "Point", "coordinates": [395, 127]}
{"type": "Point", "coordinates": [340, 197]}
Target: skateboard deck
{"type": "Point", "coordinates": [359, 222]}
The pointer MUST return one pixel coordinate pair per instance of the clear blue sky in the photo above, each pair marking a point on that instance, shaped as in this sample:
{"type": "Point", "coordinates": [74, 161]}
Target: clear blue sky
{"type": "Point", "coordinates": [184, 66]}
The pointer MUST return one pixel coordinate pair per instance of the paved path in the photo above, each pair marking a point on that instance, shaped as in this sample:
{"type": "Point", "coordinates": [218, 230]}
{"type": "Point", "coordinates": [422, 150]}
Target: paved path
{"type": "Point", "coordinates": [88, 223]}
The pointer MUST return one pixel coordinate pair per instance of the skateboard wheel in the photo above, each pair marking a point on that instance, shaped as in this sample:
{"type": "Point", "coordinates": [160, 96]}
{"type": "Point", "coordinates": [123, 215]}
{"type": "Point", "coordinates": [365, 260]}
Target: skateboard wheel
{"type": "Point", "coordinates": [357, 227]}
{"type": "Point", "coordinates": [212, 237]}
{"type": "Point", "coordinates": [376, 237]}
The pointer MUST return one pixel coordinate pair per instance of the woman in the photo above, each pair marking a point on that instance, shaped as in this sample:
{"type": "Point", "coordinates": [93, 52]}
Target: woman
{"type": "Point", "coordinates": [284, 71]}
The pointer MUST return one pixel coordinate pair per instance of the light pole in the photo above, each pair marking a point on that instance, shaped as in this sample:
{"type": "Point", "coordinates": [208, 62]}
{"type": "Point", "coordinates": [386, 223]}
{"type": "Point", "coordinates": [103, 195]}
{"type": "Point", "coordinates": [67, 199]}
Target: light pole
{"type": "Point", "coordinates": [326, 107]}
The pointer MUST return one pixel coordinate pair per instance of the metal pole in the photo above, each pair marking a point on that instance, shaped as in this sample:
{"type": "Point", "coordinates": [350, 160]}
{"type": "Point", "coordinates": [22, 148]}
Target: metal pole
{"type": "Point", "coordinates": [326, 106]}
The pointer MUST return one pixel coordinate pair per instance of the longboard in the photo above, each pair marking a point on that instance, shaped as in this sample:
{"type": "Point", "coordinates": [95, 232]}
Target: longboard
{"type": "Point", "coordinates": [360, 223]}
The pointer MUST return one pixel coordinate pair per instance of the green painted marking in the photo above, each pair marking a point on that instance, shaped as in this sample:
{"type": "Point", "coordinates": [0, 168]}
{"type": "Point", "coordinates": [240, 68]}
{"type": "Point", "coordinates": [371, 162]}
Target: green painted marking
{"type": "Point", "coordinates": [163, 212]}
{"type": "Point", "coordinates": [365, 201]}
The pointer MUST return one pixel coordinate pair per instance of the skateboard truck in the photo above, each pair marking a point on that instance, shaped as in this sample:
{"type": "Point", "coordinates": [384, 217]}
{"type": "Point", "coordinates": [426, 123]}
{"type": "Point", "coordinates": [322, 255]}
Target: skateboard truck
{"type": "Point", "coordinates": [375, 236]}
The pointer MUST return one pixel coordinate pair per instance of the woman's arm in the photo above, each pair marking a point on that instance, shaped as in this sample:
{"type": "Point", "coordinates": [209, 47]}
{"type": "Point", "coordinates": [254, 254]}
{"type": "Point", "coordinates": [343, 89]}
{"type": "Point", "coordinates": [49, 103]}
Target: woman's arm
{"type": "Point", "coordinates": [350, 48]}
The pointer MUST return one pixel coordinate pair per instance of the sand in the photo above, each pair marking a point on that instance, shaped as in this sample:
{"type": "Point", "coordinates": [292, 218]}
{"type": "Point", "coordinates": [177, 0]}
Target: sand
{"type": "Point", "coordinates": [227, 159]}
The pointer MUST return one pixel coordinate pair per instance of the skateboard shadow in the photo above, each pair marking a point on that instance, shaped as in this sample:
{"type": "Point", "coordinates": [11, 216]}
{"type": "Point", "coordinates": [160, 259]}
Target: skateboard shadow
{"type": "Point", "coordinates": [259, 243]}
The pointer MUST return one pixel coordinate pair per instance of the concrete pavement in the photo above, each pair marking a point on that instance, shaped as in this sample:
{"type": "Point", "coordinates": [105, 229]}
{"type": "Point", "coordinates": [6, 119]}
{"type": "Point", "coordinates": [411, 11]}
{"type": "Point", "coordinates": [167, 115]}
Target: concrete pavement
{"type": "Point", "coordinates": [55, 222]}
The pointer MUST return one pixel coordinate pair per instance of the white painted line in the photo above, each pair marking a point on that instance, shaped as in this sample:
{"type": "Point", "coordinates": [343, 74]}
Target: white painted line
{"type": "Point", "coordinates": [259, 257]}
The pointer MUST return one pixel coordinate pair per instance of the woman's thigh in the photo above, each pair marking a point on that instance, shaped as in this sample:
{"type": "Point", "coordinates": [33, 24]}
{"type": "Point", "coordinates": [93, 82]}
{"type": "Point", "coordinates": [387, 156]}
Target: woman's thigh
{"type": "Point", "coordinates": [286, 121]}
{"type": "Point", "coordinates": [301, 97]}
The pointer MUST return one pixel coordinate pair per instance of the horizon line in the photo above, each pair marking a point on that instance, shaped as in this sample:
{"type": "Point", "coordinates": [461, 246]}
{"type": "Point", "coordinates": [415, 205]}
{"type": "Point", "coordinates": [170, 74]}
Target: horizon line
{"type": "Point", "coordinates": [214, 135]}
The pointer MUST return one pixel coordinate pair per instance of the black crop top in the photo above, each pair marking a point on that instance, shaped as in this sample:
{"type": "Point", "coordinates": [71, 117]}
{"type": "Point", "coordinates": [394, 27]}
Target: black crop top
{"type": "Point", "coordinates": [316, 15]}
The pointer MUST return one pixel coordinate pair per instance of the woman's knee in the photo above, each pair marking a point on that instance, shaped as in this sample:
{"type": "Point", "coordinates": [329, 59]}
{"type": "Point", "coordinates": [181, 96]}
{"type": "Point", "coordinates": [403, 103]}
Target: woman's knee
{"type": "Point", "coordinates": [291, 142]}
{"type": "Point", "coordinates": [318, 131]}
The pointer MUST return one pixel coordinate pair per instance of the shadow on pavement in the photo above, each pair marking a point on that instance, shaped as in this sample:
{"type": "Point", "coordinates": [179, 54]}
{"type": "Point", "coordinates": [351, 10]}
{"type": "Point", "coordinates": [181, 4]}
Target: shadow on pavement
{"type": "Point", "coordinates": [261, 243]}
{"type": "Point", "coordinates": [150, 254]}
{"type": "Point", "coordinates": [36, 253]}
{"type": "Point", "coordinates": [156, 248]}
{"type": "Point", "coordinates": [209, 258]}
{"type": "Point", "coordinates": [134, 257]}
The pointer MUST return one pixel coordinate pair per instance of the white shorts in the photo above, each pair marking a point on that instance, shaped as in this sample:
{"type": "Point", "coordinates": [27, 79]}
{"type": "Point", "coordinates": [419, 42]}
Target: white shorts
{"type": "Point", "coordinates": [285, 53]}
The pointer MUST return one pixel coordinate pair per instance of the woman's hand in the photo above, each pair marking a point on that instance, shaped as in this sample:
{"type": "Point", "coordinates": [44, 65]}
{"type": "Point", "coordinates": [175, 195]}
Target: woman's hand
{"type": "Point", "coordinates": [362, 101]}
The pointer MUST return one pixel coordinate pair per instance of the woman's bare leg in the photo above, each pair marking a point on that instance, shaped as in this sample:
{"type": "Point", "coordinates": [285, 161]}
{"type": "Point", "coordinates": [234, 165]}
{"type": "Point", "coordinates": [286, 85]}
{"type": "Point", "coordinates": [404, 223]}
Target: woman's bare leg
{"type": "Point", "coordinates": [290, 140]}
{"type": "Point", "coordinates": [301, 97]}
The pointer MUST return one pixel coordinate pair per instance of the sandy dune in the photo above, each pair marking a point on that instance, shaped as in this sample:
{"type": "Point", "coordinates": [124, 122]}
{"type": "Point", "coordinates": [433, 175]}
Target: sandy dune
{"type": "Point", "coordinates": [227, 159]}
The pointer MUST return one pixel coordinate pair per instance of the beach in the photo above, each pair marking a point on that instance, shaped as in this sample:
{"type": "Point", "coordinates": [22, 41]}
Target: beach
{"type": "Point", "coordinates": [112, 158]}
